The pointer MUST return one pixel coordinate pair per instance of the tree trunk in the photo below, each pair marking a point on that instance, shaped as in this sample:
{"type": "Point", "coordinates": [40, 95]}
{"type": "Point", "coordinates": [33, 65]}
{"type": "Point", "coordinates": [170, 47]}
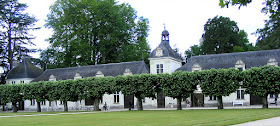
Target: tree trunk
{"type": "Point", "coordinates": [179, 103]}
{"type": "Point", "coordinates": [265, 104]}
{"type": "Point", "coordinates": [220, 102]}
{"type": "Point", "coordinates": [10, 54]}
{"type": "Point", "coordinates": [3, 107]}
{"type": "Point", "coordinates": [38, 107]}
{"type": "Point", "coordinates": [95, 104]}
{"type": "Point", "coordinates": [65, 106]}
{"type": "Point", "coordinates": [15, 109]}
{"type": "Point", "coordinates": [139, 103]}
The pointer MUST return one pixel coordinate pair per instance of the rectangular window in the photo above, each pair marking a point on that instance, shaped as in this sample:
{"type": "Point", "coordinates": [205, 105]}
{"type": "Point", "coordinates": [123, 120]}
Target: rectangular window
{"type": "Point", "coordinates": [159, 68]}
{"type": "Point", "coordinates": [240, 93]}
{"type": "Point", "coordinates": [61, 102]}
{"type": "Point", "coordinates": [212, 98]}
{"type": "Point", "coordinates": [13, 82]}
{"type": "Point", "coordinates": [240, 69]}
{"type": "Point", "coordinates": [32, 102]}
{"type": "Point", "coordinates": [116, 97]}
{"type": "Point", "coordinates": [270, 95]}
{"type": "Point", "coordinates": [43, 102]}
{"type": "Point", "coordinates": [22, 82]}
{"type": "Point", "coordinates": [144, 100]}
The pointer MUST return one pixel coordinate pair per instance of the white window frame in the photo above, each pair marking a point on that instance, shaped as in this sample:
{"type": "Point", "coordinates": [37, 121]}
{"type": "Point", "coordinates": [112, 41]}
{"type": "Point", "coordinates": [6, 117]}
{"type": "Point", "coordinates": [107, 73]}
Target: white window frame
{"type": "Point", "coordinates": [239, 93]}
{"type": "Point", "coordinates": [159, 68]}
{"type": "Point", "coordinates": [116, 97]}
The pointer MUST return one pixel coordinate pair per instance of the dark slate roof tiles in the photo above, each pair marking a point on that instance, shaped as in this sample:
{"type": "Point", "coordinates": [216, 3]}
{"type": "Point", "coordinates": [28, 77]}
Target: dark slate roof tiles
{"type": "Point", "coordinates": [228, 60]}
{"type": "Point", "coordinates": [24, 70]}
{"type": "Point", "coordinates": [112, 69]}
{"type": "Point", "coordinates": [166, 50]}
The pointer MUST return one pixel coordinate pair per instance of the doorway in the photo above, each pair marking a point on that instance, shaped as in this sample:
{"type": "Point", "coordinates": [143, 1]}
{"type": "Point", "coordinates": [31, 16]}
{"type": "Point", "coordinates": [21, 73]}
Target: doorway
{"type": "Point", "coordinates": [197, 100]}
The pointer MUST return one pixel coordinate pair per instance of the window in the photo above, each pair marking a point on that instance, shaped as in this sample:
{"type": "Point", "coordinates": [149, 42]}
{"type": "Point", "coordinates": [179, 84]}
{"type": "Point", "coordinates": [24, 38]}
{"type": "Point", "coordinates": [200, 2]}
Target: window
{"type": "Point", "coordinates": [43, 102]}
{"type": "Point", "coordinates": [22, 82]}
{"type": "Point", "coordinates": [144, 100]}
{"type": "Point", "coordinates": [159, 68]}
{"type": "Point", "coordinates": [212, 98]}
{"type": "Point", "coordinates": [61, 103]}
{"type": "Point", "coordinates": [240, 69]}
{"type": "Point", "coordinates": [240, 93]}
{"type": "Point", "coordinates": [270, 95]}
{"type": "Point", "coordinates": [32, 102]}
{"type": "Point", "coordinates": [116, 97]}
{"type": "Point", "coordinates": [13, 82]}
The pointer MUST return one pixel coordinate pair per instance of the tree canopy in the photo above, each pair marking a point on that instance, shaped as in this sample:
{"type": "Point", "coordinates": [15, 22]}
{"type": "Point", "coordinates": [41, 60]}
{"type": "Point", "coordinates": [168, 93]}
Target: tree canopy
{"type": "Point", "coordinates": [88, 32]}
{"type": "Point", "coordinates": [15, 25]}
{"type": "Point", "coordinates": [219, 82]}
{"type": "Point", "coordinates": [261, 81]}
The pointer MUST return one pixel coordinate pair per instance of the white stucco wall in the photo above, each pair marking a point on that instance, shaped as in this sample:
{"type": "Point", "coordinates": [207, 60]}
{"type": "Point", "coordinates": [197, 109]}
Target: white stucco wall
{"type": "Point", "coordinates": [17, 81]}
{"type": "Point", "coordinates": [169, 64]}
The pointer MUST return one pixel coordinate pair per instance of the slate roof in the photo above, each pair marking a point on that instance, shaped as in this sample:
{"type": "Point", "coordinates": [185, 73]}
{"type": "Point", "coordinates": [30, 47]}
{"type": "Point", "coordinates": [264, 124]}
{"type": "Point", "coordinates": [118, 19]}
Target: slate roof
{"type": "Point", "coordinates": [112, 69]}
{"type": "Point", "coordinates": [228, 60]}
{"type": "Point", "coordinates": [24, 70]}
{"type": "Point", "coordinates": [166, 51]}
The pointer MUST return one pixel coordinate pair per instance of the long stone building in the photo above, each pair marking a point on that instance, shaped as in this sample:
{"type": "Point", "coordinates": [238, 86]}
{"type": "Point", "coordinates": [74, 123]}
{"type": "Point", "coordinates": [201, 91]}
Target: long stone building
{"type": "Point", "coordinates": [162, 60]}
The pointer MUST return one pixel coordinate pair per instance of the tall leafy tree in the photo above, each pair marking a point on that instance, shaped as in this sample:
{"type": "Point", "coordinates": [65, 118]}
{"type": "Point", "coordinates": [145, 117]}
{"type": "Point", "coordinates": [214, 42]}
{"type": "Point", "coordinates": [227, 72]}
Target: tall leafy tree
{"type": "Point", "coordinates": [261, 81]}
{"type": "Point", "coordinates": [220, 36]}
{"type": "Point", "coordinates": [219, 83]}
{"type": "Point", "coordinates": [88, 32]}
{"type": "Point", "coordinates": [15, 25]}
{"type": "Point", "coordinates": [268, 37]}
{"type": "Point", "coordinates": [194, 50]}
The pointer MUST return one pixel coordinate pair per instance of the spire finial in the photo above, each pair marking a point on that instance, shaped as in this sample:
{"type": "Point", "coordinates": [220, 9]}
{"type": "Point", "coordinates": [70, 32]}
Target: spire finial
{"type": "Point", "coordinates": [164, 26]}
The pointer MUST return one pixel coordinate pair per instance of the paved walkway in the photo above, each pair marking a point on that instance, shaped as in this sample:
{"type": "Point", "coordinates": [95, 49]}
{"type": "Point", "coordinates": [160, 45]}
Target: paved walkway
{"type": "Point", "coordinates": [264, 122]}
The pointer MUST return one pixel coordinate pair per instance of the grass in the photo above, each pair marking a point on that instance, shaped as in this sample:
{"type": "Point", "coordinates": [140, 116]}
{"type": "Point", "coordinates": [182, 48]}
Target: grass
{"type": "Point", "coordinates": [146, 118]}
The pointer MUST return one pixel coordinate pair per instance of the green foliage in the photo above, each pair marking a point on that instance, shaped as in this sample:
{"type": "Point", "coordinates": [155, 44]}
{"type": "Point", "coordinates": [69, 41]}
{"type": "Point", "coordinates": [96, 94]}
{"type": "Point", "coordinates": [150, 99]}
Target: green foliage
{"type": "Point", "coordinates": [179, 84]}
{"type": "Point", "coordinates": [226, 3]}
{"type": "Point", "coordinates": [220, 35]}
{"type": "Point", "coordinates": [194, 50]}
{"type": "Point", "coordinates": [261, 81]}
{"type": "Point", "coordinates": [94, 31]}
{"type": "Point", "coordinates": [15, 25]}
{"type": "Point", "coordinates": [219, 82]}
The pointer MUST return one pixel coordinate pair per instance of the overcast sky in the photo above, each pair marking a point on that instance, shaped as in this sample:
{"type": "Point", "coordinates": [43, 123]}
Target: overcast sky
{"type": "Point", "coordinates": [184, 19]}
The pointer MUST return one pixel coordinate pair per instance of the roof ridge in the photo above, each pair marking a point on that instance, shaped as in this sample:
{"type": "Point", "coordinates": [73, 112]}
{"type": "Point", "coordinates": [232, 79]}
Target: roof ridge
{"type": "Point", "coordinates": [234, 53]}
{"type": "Point", "coordinates": [94, 65]}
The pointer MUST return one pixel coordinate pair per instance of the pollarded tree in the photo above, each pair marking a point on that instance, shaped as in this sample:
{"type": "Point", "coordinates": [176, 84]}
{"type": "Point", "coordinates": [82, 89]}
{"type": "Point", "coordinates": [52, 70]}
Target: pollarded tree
{"type": "Point", "coordinates": [219, 83]}
{"type": "Point", "coordinates": [261, 81]}
{"type": "Point", "coordinates": [179, 85]}
{"type": "Point", "coordinates": [141, 86]}
{"type": "Point", "coordinates": [13, 94]}
{"type": "Point", "coordinates": [37, 91]}
{"type": "Point", "coordinates": [96, 87]}
{"type": "Point", "coordinates": [67, 90]}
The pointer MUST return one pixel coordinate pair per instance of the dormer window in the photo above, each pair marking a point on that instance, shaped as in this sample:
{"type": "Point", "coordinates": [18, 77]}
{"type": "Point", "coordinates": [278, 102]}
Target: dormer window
{"type": "Point", "coordinates": [240, 65]}
{"type": "Point", "coordinates": [52, 78]}
{"type": "Point", "coordinates": [196, 67]}
{"type": "Point", "coordinates": [99, 74]}
{"type": "Point", "coordinates": [272, 62]}
{"type": "Point", "coordinates": [77, 76]}
{"type": "Point", "coordinates": [159, 52]}
{"type": "Point", "coordinates": [127, 72]}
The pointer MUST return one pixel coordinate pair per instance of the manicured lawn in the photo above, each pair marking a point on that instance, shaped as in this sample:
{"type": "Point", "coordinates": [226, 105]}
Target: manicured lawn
{"type": "Point", "coordinates": [147, 118]}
